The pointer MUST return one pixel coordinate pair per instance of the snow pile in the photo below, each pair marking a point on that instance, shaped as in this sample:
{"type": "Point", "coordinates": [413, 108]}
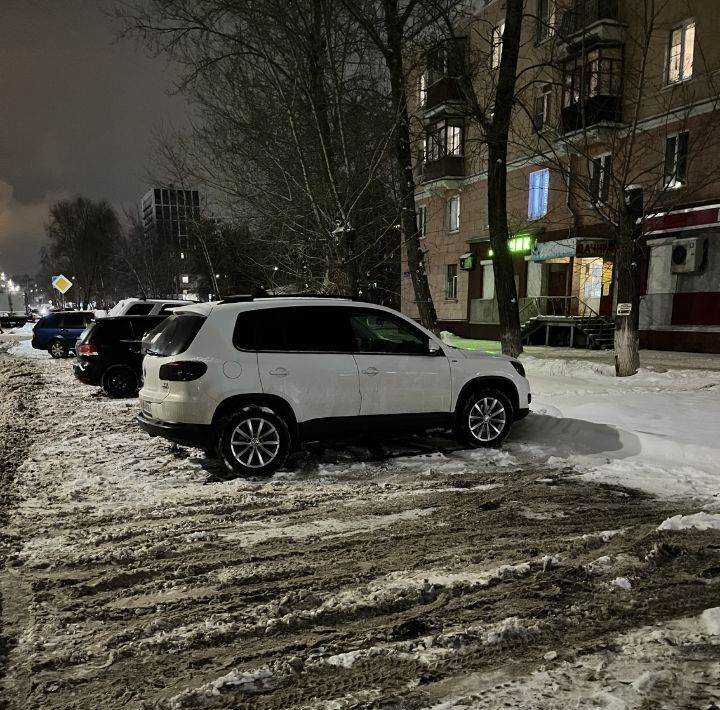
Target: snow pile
{"type": "Point", "coordinates": [698, 521]}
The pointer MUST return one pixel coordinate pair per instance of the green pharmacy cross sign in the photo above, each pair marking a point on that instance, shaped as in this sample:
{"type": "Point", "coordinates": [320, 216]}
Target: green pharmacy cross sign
{"type": "Point", "coordinates": [61, 283]}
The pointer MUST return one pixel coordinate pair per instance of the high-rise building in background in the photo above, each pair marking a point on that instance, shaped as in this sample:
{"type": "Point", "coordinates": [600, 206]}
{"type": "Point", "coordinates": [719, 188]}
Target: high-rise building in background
{"type": "Point", "coordinates": [170, 216]}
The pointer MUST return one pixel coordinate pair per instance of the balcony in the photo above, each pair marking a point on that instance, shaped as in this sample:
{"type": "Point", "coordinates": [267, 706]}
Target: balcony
{"type": "Point", "coordinates": [589, 22]}
{"type": "Point", "coordinates": [451, 166]}
{"type": "Point", "coordinates": [592, 112]}
{"type": "Point", "coordinates": [444, 91]}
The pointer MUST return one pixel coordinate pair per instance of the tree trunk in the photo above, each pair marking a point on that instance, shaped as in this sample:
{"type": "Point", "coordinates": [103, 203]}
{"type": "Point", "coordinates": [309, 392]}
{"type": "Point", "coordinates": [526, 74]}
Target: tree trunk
{"type": "Point", "coordinates": [403, 158]}
{"type": "Point", "coordinates": [498, 132]}
{"type": "Point", "coordinates": [627, 335]}
{"type": "Point", "coordinates": [505, 292]}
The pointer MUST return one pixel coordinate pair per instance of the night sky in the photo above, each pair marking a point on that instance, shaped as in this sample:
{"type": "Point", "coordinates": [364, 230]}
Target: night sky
{"type": "Point", "coordinates": [78, 109]}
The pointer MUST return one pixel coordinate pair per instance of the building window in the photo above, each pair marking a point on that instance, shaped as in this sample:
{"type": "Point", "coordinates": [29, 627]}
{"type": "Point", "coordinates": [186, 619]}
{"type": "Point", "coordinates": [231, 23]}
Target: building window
{"type": "Point", "coordinates": [443, 139]}
{"type": "Point", "coordinates": [421, 215]}
{"type": "Point", "coordinates": [598, 73]}
{"type": "Point", "coordinates": [680, 54]}
{"type": "Point", "coordinates": [496, 48]}
{"type": "Point", "coordinates": [182, 254]}
{"type": "Point", "coordinates": [538, 193]}
{"type": "Point", "coordinates": [600, 176]}
{"type": "Point", "coordinates": [454, 213]}
{"type": "Point", "coordinates": [185, 279]}
{"type": "Point", "coordinates": [454, 140]}
{"type": "Point", "coordinates": [422, 89]}
{"type": "Point", "coordinates": [488, 282]}
{"type": "Point", "coordinates": [542, 107]}
{"type": "Point", "coordinates": [676, 158]}
{"type": "Point", "coordinates": [545, 20]}
{"type": "Point", "coordinates": [451, 283]}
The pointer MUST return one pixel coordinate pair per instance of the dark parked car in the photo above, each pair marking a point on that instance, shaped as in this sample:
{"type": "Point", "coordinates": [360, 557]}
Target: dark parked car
{"type": "Point", "coordinates": [108, 353]}
{"type": "Point", "coordinates": [58, 332]}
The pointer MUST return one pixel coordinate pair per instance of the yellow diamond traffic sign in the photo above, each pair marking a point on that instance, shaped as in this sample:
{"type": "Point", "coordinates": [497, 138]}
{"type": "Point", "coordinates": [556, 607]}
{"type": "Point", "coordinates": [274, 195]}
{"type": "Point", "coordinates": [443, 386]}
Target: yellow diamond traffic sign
{"type": "Point", "coordinates": [61, 283]}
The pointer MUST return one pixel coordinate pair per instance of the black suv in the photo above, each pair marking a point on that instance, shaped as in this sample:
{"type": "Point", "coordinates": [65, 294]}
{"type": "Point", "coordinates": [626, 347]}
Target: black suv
{"type": "Point", "coordinates": [109, 355]}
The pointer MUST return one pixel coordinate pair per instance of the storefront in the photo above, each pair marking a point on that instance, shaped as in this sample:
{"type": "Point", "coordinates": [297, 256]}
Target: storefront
{"type": "Point", "coordinates": [579, 270]}
{"type": "Point", "coordinates": [680, 309]}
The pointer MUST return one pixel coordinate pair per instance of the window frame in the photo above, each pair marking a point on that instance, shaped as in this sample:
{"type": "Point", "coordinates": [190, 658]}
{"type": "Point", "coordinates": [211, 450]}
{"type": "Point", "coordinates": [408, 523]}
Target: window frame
{"type": "Point", "coordinates": [538, 182]}
{"type": "Point", "coordinates": [545, 20]}
{"type": "Point", "coordinates": [421, 220]}
{"type": "Point", "coordinates": [437, 140]}
{"type": "Point", "coordinates": [670, 181]}
{"type": "Point", "coordinates": [544, 99]}
{"type": "Point", "coordinates": [451, 282]}
{"type": "Point", "coordinates": [601, 172]}
{"type": "Point", "coordinates": [682, 28]}
{"type": "Point", "coordinates": [496, 44]}
{"type": "Point", "coordinates": [586, 75]}
{"type": "Point", "coordinates": [452, 228]}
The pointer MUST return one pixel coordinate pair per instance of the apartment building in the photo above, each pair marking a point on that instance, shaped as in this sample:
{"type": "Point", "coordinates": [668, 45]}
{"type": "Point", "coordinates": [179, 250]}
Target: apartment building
{"type": "Point", "coordinates": [169, 216]}
{"type": "Point", "coordinates": [612, 104]}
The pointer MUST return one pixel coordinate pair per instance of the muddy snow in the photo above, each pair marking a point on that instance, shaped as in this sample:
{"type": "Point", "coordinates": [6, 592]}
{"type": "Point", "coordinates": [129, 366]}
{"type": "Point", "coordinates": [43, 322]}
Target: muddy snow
{"type": "Point", "coordinates": [577, 567]}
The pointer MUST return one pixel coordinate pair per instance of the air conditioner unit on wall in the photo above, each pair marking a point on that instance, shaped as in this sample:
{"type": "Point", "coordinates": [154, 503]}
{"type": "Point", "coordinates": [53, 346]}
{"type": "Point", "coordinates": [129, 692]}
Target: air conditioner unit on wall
{"type": "Point", "coordinates": [688, 255]}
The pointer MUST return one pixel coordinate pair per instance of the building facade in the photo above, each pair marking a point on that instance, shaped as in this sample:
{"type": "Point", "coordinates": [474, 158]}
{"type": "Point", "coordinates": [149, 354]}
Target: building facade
{"type": "Point", "coordinates": [611, 101]}
{"type": "Point", "coordinates": [170, 218]}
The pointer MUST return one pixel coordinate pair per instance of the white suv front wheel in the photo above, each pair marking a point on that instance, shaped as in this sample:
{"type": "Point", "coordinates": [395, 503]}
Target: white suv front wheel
{"type": "Point", "coordinates": [485, 418]}
{"type": "Point", "coordinates": [254, 442]}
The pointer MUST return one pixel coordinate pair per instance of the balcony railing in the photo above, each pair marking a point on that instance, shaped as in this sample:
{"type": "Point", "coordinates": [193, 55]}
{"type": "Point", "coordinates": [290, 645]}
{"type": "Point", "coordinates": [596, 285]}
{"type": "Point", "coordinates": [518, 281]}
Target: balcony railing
{"type": "Point", "coordinates": [591, 112]}
{"type": "Point", "coordinates": [446, 90]}
{"type": "Point", "coordinates": [451, 166]}
{"type": "Point", "coordinates": [587, 12]}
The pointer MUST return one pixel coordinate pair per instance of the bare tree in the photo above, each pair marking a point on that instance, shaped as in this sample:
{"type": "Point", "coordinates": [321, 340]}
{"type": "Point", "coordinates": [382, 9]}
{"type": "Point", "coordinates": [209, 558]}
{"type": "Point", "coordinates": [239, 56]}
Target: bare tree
{"type": "Point", "coordinates": [292, 135]}
{"type": "Point", "coordinates": [390, 25]}
{"type": "Point", "coordinates": [82, 236]}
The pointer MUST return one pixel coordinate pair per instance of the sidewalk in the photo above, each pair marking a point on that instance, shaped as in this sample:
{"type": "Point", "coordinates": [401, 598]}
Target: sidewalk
{"type": "Point", "coordinates": [655, 359]}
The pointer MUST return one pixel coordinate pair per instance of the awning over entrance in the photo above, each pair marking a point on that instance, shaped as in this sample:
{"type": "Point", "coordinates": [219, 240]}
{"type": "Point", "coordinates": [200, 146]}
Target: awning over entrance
{"type": "Point", "coordinates": [558, 249]}
{"type": "Point", "coordinates": [682, 220]}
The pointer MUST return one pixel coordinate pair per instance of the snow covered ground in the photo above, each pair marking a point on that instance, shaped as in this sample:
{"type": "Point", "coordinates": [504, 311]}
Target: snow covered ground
{"type": "Point", "coordinates": [544, 575]}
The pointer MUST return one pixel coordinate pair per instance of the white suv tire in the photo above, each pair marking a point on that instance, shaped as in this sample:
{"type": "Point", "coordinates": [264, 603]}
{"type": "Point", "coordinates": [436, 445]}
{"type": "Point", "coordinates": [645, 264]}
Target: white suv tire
{"type": "Point", "coordinates": [254, 441]}
{"type": "Point", "coordinates": [485, 418]}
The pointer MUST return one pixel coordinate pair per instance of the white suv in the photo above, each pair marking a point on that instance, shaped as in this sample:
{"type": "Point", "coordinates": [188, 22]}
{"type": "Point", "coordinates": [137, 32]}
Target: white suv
{"type": "Point", "coordinates": [145, 306]}
{"type": "Point", "coordinates": [250, 379]}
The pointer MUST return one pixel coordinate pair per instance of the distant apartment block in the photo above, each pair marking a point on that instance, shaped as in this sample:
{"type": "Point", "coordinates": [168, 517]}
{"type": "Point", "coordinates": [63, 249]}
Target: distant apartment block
{"type": "Point", "coordinates": [169, 217]}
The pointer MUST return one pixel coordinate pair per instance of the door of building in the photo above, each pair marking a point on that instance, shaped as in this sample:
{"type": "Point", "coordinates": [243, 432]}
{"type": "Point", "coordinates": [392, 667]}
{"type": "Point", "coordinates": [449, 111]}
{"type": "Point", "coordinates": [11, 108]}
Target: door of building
{"type": "Point", "coordinates": [559, 284]}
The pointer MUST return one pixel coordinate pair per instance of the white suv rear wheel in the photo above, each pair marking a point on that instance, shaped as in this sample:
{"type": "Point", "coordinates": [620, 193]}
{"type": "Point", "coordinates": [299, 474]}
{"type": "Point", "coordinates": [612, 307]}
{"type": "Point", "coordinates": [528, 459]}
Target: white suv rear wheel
{"type": "Point", "coordinates": [254, 442]}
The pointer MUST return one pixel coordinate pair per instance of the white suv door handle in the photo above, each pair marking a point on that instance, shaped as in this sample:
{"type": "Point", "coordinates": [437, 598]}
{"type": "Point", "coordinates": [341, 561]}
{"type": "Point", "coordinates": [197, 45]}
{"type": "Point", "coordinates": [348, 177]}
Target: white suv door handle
{"type": "Point", "coordinates": [370, 371]}
{"type": "Point", "coordinates": [278, 372]}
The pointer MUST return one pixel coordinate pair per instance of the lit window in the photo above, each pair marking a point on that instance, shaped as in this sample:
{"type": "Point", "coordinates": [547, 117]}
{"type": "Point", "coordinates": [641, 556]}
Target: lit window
{"type": "Point", "coordinates": [454, 213]}
{"type": "Point", "coordinates": [451, 283]}
{"type": "Point", "coordinates": [538, 193]}
{"type": "Point", "coordinates": [488, 282]}
{"type": "Point", "coordinates": [600, 175]}
{"type": "Point", "coordinates": [676, 158]}
{"type": "Point", "coordinates": [496, 49]}
{"type": "Point", "coordinates": [680, 54]}
{"type": "Point", "coordinates": [454, 140]}
{"type": "Point", "coordinates": [185, 279]}
{"type": "Point", "coordinates": [421, 214]}
{"type": "Point", "coordinates": [182, 254]}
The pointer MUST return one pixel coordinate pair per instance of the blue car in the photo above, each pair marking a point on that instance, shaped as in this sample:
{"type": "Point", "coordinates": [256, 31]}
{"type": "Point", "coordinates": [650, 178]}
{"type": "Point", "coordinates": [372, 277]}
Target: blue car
{"type": "Point", "coordinates": [58, 332]}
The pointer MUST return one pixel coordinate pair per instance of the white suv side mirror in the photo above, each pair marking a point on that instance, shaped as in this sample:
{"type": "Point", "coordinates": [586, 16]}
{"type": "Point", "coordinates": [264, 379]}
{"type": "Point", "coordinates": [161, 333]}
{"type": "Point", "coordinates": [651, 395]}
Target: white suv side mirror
{"type": "Point", "coordinates": [434, 348]}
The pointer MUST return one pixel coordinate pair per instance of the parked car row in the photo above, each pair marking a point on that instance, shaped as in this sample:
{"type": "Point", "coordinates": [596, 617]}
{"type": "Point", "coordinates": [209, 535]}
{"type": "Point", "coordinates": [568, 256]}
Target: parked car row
{"type": "Point", "coordinates": [250, 379]}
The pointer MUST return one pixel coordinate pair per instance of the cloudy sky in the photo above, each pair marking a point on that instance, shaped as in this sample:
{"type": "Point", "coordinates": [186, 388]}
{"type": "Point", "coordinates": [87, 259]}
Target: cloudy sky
{"type": "Point", "coordinates": [78, 110]}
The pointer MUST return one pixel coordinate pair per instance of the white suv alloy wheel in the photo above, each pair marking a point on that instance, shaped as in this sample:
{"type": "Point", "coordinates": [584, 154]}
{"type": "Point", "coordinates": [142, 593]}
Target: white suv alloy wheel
{"type": "Point", "coordinates": [255, 442]}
